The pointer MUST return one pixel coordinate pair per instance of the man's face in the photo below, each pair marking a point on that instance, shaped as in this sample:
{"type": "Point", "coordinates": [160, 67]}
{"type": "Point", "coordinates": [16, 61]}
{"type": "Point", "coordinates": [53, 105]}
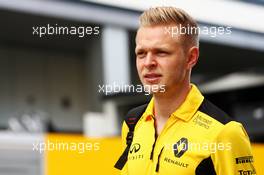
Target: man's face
{"type": "Point", "coordinates": [160, 58]}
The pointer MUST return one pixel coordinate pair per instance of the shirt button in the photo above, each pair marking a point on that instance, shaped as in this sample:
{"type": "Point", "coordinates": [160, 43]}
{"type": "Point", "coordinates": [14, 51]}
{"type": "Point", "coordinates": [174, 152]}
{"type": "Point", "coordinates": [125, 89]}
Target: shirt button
{"type": "Point", "coordinates": [148, 118]}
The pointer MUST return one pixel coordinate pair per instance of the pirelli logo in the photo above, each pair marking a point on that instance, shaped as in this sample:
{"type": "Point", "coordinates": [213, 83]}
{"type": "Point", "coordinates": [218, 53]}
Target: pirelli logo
{"type": "Point", "coordinates": [246, 159]}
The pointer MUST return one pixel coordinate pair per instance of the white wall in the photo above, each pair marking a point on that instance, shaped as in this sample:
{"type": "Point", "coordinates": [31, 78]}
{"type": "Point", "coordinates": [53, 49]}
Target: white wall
{"type": "Point", "coordinates": [47, 77]}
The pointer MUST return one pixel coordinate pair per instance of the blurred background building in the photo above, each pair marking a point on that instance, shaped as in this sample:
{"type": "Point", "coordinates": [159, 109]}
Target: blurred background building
{"type": "Point", "coordinates": [51, 83]}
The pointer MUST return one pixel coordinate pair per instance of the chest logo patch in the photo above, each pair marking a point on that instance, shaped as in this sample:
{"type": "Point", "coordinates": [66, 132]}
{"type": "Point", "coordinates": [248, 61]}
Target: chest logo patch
{"type": "Point", "coordinates": [180, 147]}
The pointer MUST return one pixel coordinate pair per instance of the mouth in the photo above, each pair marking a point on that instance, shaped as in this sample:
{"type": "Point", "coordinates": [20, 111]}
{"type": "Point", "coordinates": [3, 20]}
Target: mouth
{"type": "Point", "coordinates": [152, 78]}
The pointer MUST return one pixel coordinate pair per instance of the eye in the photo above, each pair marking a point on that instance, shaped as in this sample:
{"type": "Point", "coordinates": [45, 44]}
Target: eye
{"type": "Point", "coordinates": [162, 53]}
{"type": "Point", "coordinates": [140, 54]}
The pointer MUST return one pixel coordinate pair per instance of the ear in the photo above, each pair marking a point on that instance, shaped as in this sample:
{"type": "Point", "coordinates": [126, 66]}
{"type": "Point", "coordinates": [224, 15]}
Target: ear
{"type": "Point", "coordinates": [192, 57]}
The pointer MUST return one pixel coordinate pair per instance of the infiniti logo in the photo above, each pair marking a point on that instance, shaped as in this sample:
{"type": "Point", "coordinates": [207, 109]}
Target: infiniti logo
{"type": "Point", "coordinates": [134, 148]}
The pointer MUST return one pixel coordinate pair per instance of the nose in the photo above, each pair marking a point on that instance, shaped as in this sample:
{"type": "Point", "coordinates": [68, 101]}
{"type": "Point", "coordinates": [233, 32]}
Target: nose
{"type": "Point", "coordinates": [150, 61]}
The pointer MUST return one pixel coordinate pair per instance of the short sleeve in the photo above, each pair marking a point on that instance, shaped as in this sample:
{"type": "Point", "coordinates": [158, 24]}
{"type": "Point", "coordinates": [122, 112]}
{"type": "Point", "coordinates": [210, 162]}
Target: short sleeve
{"type": "Point", "coordinates": [233, 154]}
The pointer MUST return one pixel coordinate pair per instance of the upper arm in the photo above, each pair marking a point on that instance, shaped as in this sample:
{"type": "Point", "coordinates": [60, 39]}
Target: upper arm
{"type": "Point", "coordinates": [233, 154]}
{"type": "Point", "coordinates": [124, 134]}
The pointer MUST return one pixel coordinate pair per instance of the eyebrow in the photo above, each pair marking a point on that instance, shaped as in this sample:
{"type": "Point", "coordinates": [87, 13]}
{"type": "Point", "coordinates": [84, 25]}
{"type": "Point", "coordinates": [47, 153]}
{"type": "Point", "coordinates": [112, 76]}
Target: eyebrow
{"type": "Point", "coordinates": [138, 49]}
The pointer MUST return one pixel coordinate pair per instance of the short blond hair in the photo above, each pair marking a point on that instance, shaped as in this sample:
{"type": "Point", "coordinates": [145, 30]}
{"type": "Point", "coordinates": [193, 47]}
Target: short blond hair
{"type": "Point", "coordinates": [171, 15]}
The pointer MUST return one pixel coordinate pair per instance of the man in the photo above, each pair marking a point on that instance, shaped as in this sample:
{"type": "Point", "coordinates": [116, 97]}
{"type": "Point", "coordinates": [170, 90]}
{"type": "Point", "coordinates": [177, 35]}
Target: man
{"type": "Point", "coordinates": [180, 132]}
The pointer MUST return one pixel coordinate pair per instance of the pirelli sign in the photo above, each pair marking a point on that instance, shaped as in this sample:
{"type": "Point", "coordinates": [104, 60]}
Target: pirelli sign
{"type": "Point", "coordinates": [246, 159]}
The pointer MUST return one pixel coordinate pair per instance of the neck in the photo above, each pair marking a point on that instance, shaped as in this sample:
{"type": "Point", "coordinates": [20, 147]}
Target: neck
{"type": "Point", "coordinates": [166, 103]}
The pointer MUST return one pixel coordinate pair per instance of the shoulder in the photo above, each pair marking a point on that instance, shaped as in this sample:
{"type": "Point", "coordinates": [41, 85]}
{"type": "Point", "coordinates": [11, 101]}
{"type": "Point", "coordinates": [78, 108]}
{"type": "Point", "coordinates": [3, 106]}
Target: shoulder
{"type": "Point", "coordinates": [222, 126]}
{"type": "Point", "coordinates": [233, 132]}
{"type": "Point", "coordinates": [132, 117]}
{"type": "Point", "coordinates": [214, 112]}
{"type": "Point", "coordinates": [134, 114]}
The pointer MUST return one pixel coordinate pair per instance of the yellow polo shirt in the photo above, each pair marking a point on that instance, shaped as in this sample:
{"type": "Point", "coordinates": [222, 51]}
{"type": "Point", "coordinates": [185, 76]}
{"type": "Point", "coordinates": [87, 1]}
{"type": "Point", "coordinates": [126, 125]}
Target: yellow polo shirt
{"type": "Point", "coordinates": [197, 139]}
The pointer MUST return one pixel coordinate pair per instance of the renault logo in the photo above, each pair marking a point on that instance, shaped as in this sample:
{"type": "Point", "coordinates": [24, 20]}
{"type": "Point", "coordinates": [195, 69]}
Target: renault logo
{"type": "Point", "coordinates": [134, 148]}
{"type": "Point", "coordinates": [180, 147]}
